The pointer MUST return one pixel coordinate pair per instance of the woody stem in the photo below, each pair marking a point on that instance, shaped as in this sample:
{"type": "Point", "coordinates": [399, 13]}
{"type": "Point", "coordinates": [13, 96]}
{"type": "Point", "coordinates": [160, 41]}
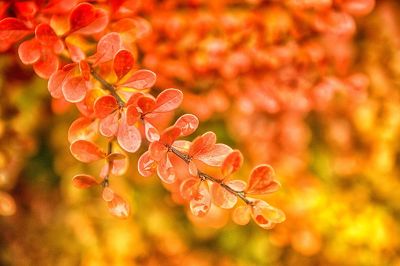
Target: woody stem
{"type": "Point", "coordinates": [108, 87]}
{"type": "Point", "coordinates": [204, 176]}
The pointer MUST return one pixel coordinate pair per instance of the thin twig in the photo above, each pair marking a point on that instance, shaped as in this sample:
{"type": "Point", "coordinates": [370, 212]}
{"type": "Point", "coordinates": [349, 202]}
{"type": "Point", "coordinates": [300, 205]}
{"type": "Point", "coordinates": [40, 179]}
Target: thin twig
{"type": "Point", "coordinates": [108, 87]}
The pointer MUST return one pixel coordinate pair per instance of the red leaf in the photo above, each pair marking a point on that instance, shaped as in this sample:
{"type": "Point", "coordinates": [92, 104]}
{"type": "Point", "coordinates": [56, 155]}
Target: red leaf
{"type": "Point", "coordinates": [128, 137]}
{"type": "Point", "coordinates": [84, 181]}
{"type": "Point", "coordinates": [107, 194]}
{"type": "Point", "coordinates": [119, 207]}
{"type": "Point", "coordinates": [232, 163]}
{"type": "Point", "coordinates": [201, 202]}
{"type": "Point", "coordinates": [265, 215]}
{"type": "Point", "coordinates": [107, 47]}
{"type": "Point", "coordinates": [146, 165]}
{"type": "Point", "coordinates": [86, 151]}
{"type": "Point", "coordinates": [74, 89]}
{"type": "Point", "coordinates": [123, 63]}
{"type": "Point", "coordinates": [29, 52]}
{"type": "Point", "coordinates": [11, 31]}
{"type": "Point", "coordinates": [241, 215]}
{"type": "Point", "coordinates": [26, 9]}
{"type": "Point", "coordinates": [86, 19]}
{"type": "Point", "coordinates": [46, 35]}
{"type": "Point", "coordinates": [202, 144]}
{"type": "Point", "coordinates": [157, 150]}
{"type": "Point", "coordinates": [132, 115]}
{"type": "Point", "coordinates": [146, 104]}
{"type": "Point", "coordinates": [47, 64]}
{"type": "Point", "coordinates": [109, 125]}
{"type": "Point", "coordinates": [262, 180]}
{"type": "Point", "coordinates": [141, 79]}
{"type": "Point", "coordinates": [168, 100]}
{"type": "Point", "coordinates": [55, 83]}
{"type": "Point", "coordinates": [222, 197]}
{"type": "Point", "coordinates": [166, 171]}
{"type": "Point", "coordinates": [170, 135]}
{"type": "Point", "coordinates": [187, 123]}
{"type": "Point", "coordinates": [215, 155]}
{"type": "Point", "coordinates": [82, 128]}
{"type": "Point", "coordinates": [189, 188]}
{"type": "Point", "coordinates": [104, 106]}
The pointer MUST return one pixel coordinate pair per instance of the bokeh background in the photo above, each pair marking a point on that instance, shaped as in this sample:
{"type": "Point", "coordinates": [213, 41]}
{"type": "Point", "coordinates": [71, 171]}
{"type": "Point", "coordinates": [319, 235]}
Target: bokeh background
{"type": "Point", "coordinates": [310, 87]}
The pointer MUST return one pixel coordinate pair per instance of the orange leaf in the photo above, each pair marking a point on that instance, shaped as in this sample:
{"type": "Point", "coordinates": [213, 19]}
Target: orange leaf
{"type": "Point", "coordinates": [265, 215]}
{"type": "Point", "coordinates": [107, 47]}
{"type": "Point", "coordinates": [201, 202]}
{"type": "Point", "coordinates": [168, 100]}
{"type": "Point", "coordinates": [232, 163]}
{"type": "Point", "coordinates": [86, 19]}
{"type": "Point", "coordinates": [262, 181]}
{"type": "Point", "coordinates": [82, 128]}
{"type": "Point", "coordinates": [104, 106]}
{"type": "Point", "coordinates": [241, 215]}
{"type": "Point", "coordinates": [123, 63]}
{"type": "Point", "coordinates": [74, 89]}
{"type": "Point", "coordinates": [187, 123]}
{"type": "Point", "coordinates": [165, 170]}
{"type": "Point", "coordinates": [86, 151]}
{"type": "Point", "coordinates": [84, 181]}
{"type": "Point", "coordinates": [146, 165]}
{"type": "Point", "coordinates": [118, 207]}
{"type": "Point", "coordinates": [128, 137]}
{"type": "Point", "coordinates": [141, 79]}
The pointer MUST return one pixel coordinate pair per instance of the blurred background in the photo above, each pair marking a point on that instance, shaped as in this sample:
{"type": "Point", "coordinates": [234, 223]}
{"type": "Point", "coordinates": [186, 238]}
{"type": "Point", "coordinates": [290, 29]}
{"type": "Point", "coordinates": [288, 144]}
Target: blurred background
{"type": "Point", "coordinates": [310, 87]}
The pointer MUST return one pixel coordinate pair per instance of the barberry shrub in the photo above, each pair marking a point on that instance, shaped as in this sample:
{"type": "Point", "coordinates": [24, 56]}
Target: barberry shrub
{"type": "Point", "coordinates": [90, 60]}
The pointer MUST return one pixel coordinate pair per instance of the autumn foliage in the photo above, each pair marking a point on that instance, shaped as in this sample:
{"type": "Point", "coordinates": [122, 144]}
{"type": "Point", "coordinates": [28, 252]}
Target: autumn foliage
{"type": "Point", "coordinates": [282, 115]}
{"type": "Point", "coordinates": [116, 108]}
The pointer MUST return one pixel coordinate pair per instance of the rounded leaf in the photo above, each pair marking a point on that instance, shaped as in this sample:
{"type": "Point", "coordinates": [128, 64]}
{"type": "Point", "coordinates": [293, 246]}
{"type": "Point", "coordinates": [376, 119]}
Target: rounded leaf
{"type": "Point", "coordinates": [107, 47]}
{"type": "Point", "coordinates": [262, 180]}
{"type": "Point", "coordinates": [232, 163]}
{"type": "Point", "coordinates": [128, 137]}
{"type": "Point", "coordinates": [241, 215]}
{"type": "Point", "coordinates": [187, 123]}
{"type": "Point", "coordinates": [29, 52]}
{"type": "Point", "coordinates": [109, 125]}
{"type": "Point", "coordinates": [201, 202]}
{"type": "Point", "coordinates": [107, 194]}
{"type": "Point", "coordinates": [166, 171]}
{"type": "Point", "coordinates": [86, 19]}
{"type": "Point", "coordinates": [141, 79]}
{"type": "Point", "coordinates": [84, 181]}
{"type": "Point", "coordinates": [82, 128]}
{"type": "Point", "coordinates": [74, 89]}
{"type": "Point", "coordinates": [123, 63]}
{"type": "Point", "coordinates": [118, 207]}
{"type": "Point", "coordinates": [222, 197]}
{"type": "Point", "coordinates": [86, 151]}
{"type": "Point", "coordinates": [157, 150]}
{"type": "Point", "coordinates": [47, 64]}
{"type": "Point", "coordinates": [168, 100]}
{"type": "Point", "coordinates": [189, 187]}
{"type": "Point", "coordinates": [146, 165]}
{"type": "Point", "coordinates": [104, 106]}
{"type": "Point", "coordinates": [151, 132]}
{"type": "Point", "coordinates": [265, 215]}
{"type": "Point", "coordinates": [55, 83]}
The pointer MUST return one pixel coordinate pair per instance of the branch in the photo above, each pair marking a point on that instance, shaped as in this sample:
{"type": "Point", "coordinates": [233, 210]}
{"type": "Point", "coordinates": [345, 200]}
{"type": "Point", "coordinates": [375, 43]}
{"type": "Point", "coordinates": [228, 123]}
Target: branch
{"type": "Point", "coordinates": [108, 87]}
{"type": "Point", "coordinates": [204, 176]}
{"type": "Point", "coordinates": [181, 155]}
